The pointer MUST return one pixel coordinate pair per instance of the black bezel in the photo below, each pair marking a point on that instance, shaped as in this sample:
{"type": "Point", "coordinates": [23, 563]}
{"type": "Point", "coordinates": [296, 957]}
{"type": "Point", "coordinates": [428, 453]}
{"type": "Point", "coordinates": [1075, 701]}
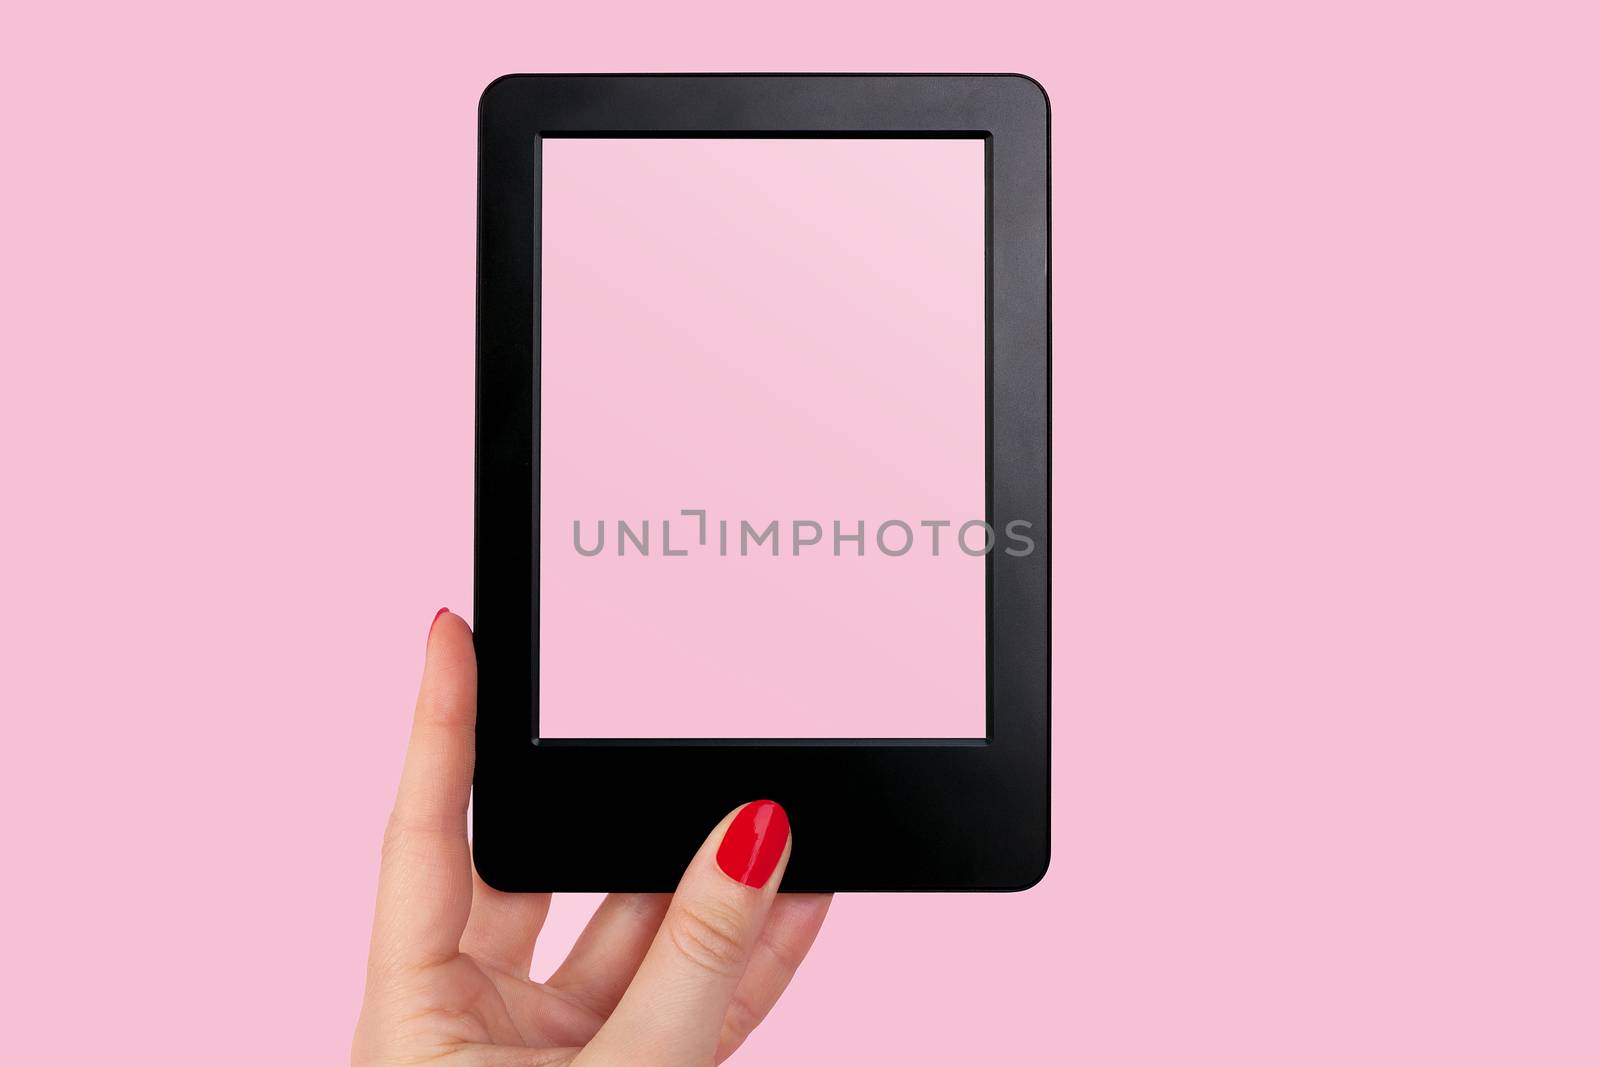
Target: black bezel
{"type": "Point", "coordinates": [869, 815]}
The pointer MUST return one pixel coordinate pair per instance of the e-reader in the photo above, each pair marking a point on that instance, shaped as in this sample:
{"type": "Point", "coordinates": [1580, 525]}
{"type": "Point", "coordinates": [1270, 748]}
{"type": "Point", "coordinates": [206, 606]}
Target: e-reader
{"type": "Point", "coordinates": [763, 476]}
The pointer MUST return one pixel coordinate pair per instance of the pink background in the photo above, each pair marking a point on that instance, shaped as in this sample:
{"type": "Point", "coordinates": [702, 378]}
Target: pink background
{"type": "Point", "coordinates": [1327, 354]}
{"type": "Point", "coordinates": [765, 330]}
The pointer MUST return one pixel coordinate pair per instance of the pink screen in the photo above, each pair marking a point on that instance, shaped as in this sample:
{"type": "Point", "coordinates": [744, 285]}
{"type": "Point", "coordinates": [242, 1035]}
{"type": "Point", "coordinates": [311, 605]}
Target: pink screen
{"type": "Point", "coordinates": [762, 330]}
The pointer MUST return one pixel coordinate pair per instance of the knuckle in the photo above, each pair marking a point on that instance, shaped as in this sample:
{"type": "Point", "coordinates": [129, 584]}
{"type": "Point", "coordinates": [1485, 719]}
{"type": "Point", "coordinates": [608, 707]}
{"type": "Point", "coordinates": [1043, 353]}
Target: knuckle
{"type": "Point", "coordinates": [742, 1018]}
{"type": "Point", "coordinates": [403, 837]}
{"type": "Point", "coordinates": [786, 952]}
{"type": "Point", "coordinates": [396, 838]}
{"type": "Point", "coordinates": [410, 834]}
{"type": "Point", "coordinates": [710, 936]}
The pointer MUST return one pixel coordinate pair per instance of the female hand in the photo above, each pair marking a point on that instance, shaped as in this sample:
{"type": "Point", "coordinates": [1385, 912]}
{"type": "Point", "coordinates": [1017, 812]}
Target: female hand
{"type": "Point", "coordinates": [652, 980]}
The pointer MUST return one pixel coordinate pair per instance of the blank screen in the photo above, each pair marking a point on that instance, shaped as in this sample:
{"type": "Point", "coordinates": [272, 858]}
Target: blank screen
{"type": "Point", "coordinates": [743, 337]}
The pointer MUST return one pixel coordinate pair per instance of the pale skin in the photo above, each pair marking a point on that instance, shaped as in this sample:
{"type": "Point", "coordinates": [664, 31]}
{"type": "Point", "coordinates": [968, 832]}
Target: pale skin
{"type": "Point", "coordinates": [653, 981]}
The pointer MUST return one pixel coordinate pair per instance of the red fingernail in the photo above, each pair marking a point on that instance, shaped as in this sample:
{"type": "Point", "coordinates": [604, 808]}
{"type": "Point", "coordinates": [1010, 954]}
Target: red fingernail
{"type": "Point", "coordinates": [750, 849]}
{"type": "Point", "coordinates": [436, 617]}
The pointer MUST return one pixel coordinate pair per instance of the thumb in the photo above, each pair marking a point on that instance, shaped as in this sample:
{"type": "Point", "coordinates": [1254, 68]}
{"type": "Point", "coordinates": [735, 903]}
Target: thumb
{"type": "Point", "coordinates": [673, 1011]}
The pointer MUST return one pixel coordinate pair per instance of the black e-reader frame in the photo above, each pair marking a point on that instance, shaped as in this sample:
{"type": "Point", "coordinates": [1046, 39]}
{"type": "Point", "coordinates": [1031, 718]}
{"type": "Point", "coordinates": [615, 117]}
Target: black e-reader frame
{"type": "Point", "coordinates": [867, 815]}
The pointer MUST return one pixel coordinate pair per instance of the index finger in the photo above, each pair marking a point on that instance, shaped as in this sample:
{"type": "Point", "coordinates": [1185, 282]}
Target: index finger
{"type": "Point", "coordinates": [425, 884]}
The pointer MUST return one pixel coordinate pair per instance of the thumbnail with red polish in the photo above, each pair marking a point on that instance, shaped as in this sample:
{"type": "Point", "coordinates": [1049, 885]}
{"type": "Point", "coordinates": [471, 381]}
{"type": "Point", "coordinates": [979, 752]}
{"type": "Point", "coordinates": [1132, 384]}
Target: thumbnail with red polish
{"type": "Point", "coordinates": [750, 849]}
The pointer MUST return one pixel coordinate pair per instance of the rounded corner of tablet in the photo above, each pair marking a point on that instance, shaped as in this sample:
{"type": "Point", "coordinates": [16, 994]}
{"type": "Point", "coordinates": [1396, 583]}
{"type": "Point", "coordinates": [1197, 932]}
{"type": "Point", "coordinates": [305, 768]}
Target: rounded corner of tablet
{"type": "Point", "coordinates": [1037, 867]}
{"type": "Point", "coordinates": [1032, 86]}
{"type": "Point", "coordinates": [496, 88]}
{"type": "Point", "coordinates": [493, 875]}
